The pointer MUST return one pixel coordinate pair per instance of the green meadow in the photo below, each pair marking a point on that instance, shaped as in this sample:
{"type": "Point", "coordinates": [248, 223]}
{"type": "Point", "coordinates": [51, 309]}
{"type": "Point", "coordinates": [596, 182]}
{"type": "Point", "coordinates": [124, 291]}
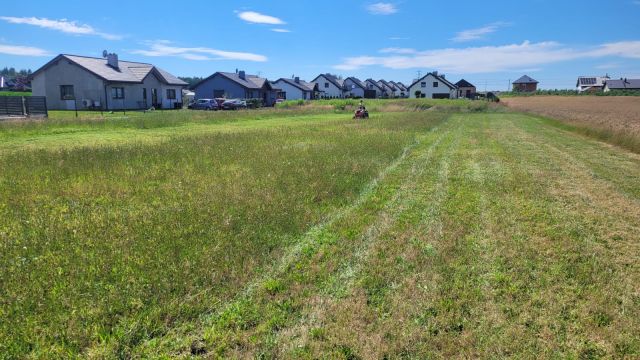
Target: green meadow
{"type": "Point", "coordinates": [434, 229]}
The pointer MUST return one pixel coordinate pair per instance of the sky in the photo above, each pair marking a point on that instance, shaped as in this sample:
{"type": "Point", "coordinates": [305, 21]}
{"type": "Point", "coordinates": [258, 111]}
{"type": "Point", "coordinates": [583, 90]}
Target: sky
{"type": "Point", "coordinates": [487, 43]}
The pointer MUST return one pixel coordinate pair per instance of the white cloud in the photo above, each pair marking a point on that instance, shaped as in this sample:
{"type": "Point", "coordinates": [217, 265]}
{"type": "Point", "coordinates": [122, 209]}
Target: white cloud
{"type": "Point", "coordinates": [63, 25]}
{"type": "Point", "coordinates": [398, 38]}
{"type": "Point", "coordinates": [281, 30]}
{"type": "Point", "coordinates": [165, 48]}
{"type": "Point", "coordinates": [382, 9]}
{"type": "Point", "coordinates": [22, 50]}
{"type": "Point", "coordinates": [394, 50]}
{"type": "Point", "coordinates": [489, 59]}
{"type": "Point", "coordinates": [476, 34]}
{"type": "Point", "coordinates": [257, 18]}
{"type": "Point", "coordinates": [627, 49]}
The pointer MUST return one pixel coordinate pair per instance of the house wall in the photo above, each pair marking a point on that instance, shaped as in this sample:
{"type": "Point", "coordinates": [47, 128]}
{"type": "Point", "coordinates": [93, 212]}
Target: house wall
{"type": "Point", "coordinates": [429, 89]}
{"type": "Point", "coordinates": [371, 86]}
{"type": "Point", "coordinates": [354, 89]}
{"type": "Point", "coordinates": [525, 87]}
{"type": "Point", "coordinates": [331, 91]}
{"type": "Point", "coordinates": [462, 91]}
{"type": "Point", "coordinates": [134, 95]}
{"type": "Point", "coordinates": [219, 82]}
{"type": "Point", "coordinates": [292, 92]}
{"type": "Point", "coordinates": [85, 85]}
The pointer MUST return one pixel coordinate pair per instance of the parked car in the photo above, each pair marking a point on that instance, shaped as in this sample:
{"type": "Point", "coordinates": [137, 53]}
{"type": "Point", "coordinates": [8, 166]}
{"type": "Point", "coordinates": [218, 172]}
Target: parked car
{"type": "Point", "coordinates": [205, 104]}
{"type": "Point", "coordinates": [278, 101]}
{"type": "Point", "coordinates": [234, 104]}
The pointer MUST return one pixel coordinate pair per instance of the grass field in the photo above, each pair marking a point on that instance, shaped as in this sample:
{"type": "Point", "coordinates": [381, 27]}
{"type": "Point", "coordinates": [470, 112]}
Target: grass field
{"type": "Point", "coordinates": [300, 233]}
{"type": "Point", "coordinates": [15, 93]}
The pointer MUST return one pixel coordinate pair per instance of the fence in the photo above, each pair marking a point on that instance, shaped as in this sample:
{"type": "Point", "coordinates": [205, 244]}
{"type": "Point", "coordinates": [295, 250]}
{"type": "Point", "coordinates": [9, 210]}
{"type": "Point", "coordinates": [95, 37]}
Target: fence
{"type": "Point", "coordinates": [23, 106]}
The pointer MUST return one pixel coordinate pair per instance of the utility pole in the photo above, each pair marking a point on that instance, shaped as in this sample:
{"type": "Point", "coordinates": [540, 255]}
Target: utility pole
{"type": "Point", "coordinates": [509, 85]}
{"type": "Point", "coordinates": [419, 74]}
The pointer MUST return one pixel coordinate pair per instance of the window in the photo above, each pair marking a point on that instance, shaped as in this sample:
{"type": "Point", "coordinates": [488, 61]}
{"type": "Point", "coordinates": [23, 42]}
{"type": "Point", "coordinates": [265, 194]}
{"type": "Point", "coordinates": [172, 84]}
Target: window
{"type": "Point", "coordinates": [326, 85]}
{"type": "Point", "coordinates": [171, 94]}
{"type": "Point", "coordinates": [117, 93]}
{"type": "Point", "coordinates": [218, 93]}
{"type": "Point", "coordinates": [423, 84]}
{"type": "Point", "coordinates": [144, 94]}
{"type": "Point", "coordinates": [66, 92]}
{"type": "Point", "coordinates": [435, 84]}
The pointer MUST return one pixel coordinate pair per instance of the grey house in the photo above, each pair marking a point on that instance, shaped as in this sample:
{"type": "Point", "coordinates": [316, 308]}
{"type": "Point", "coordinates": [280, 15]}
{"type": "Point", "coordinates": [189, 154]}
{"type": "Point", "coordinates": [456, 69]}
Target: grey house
{"type": "Point", "coordinates": [373, 85]}
{"type": "Point", "coordinates": [236, 85]}
{"type": "Point", "coordinates": [71, 81]}
{"type": "Point", "coordinates": [354, 88]}
{"type": "Point", "coordinates": [296, 89]}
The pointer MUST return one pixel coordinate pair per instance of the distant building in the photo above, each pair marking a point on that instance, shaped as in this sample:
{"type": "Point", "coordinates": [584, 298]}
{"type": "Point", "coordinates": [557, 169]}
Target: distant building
{"type": "Point", "coordinates": [402, 90]}
{"type": "Point", "coordinates": [622, 84]}
{"type": "Point", "coordinates": [525, 84]}
{"type": "Point", "coordinates": [70, 81]}
{"type": "Point", "coordinates": [330, 86]}
{"type": "Point", "coordinates": [373, 88]}
{"type": "Point", "coordinates": [591, 83]}
{"type": "Point", "coordinates": [433, 86]}
{"type": "Point", "coordinates": [354, 88]}
{"type": "Point", "coordinates": [296, 89]}
{"type": "Point", "coordinates": [238, 85]}
{"type": "Point", "coordinates": [466, 89]}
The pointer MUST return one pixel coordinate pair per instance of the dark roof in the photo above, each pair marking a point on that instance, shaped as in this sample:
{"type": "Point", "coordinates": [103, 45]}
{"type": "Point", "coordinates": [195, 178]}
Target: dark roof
{"type": "Point", "coordinates": [332, 79]}
{"type": "Point", "coordinates": [251, 82]}
{"type": "Point", "coordinates": [302, 85]}
{"type": "Point", "coordinates": [438, 77]}
{"type": "Point", "coordinates": [127, 71]}
{"type": "Point", "coordinates": [374, 83]}
{"type": "Point", "coordinates": [402, 85]}
{"type": "Point", "coordinates": [357, 82]}
{"type": "Point", "coordinates": [525, 79]}
{"type": "Point", "coordinates": [388, 84]}
{"type": "Point", "coordinates": [629, 84]}
{"type": "Point", "coordinates": [464, 83]}
{"type": "Point", "coordinates": [398, 85]}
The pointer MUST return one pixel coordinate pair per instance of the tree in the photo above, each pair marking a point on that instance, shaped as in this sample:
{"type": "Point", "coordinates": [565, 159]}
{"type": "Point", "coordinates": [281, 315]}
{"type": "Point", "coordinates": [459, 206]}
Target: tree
{"type": "Point", "coordinates": [418, 94]}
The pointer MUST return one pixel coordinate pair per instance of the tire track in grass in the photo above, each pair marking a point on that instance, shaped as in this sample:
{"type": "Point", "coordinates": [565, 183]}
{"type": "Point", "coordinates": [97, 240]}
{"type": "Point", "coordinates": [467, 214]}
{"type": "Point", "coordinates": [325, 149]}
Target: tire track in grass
{"type": "Point", "coordinates": [309, 244]}
{"type": "Point", "coordinates": [344, 284]}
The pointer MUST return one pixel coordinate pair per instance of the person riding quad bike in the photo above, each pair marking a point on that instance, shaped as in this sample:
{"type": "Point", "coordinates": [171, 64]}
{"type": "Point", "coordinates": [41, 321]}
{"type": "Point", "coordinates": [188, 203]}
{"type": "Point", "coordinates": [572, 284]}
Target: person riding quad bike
{"type": "Point", "coordinates": [361, 113]}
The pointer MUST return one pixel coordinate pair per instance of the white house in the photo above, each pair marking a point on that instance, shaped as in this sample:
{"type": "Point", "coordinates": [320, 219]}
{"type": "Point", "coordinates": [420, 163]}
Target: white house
{"type": "Point", "coordinates": [591, 83]}
{"type": "Point", "coordinates": [296, 89]}
{"type": "Point", "coordinates": [353, 87]}
{"type": "Point", "coordinates": [329, 86]}
{"type": "Point", "coordinates": [433, 86]}
{"type": "Point", "coordinates": [391, 90]}
{"type": "Point", "coordinates": [70, 81]}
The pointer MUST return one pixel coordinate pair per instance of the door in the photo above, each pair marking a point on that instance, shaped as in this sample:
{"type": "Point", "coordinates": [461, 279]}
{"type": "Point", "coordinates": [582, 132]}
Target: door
{"type": "Point", "coordinates": [154, 97]}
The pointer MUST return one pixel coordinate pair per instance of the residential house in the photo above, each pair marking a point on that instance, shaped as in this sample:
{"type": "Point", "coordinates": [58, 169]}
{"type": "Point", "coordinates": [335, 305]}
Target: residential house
{"type": "Point", "coordinates": [330, 86]}
{"type": "Point", "coordinates": [354, 88]}
{"type": "Point", "coordinates": [72, 81]}
{"type": "Point", "coordinates": [622, 84]}
{"type": "Point", "coordinates": [296, 89]}
{"type": "Point", "coordinates": [525, 84]}
{"type": "Point", "coordinates": [387, 92]}
{"type": "Point", "coordinates": [433, 86]}
{"type": "Point", "coordinates": [466, 89]}
{"type": "Point", "coordinates": [391, 90]}
{"type": "Point", "coordinates": [374, 91]}
{"type": "Point", "coordinates": [238, 85]}
{"type": "Point", "coordinates": [402, 90]}
{"type": "Point", "coordinates": [591, 83]}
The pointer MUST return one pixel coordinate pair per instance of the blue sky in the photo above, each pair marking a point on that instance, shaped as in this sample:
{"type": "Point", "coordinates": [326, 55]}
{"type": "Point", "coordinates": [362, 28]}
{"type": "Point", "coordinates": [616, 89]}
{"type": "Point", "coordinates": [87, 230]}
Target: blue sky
{"type": "Point", "coordinates": [487, 43]}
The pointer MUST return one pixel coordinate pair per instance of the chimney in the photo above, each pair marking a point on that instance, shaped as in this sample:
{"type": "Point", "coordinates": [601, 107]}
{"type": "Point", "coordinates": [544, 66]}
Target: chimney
{"type": "Point", "coordinates": [435, 73]}
{"type": "Point", "coordinates": [442, 76]}
{"type": "Point", "coordinates": [112, 60]}
{"type": "Point", "coordinates": [297, 80]}
{"type": "Point", "coordinates": [242, 75]}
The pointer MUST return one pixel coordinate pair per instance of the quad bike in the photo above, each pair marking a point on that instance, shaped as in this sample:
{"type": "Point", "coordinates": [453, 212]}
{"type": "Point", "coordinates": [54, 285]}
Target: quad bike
{"type": "Point", "coordinates": [361, 114]}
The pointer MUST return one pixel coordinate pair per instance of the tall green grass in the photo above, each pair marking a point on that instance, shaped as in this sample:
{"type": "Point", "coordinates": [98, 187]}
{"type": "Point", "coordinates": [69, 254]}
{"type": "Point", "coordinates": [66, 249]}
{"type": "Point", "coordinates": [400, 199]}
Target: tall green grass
{"type": "Point", "coordinates": [114, 245]}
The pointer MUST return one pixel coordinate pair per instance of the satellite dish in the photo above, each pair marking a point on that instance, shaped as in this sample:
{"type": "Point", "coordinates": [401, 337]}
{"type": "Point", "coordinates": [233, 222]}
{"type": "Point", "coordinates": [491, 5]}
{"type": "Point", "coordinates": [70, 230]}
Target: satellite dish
{"type": "Point", "coordinates": [104, 53]}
